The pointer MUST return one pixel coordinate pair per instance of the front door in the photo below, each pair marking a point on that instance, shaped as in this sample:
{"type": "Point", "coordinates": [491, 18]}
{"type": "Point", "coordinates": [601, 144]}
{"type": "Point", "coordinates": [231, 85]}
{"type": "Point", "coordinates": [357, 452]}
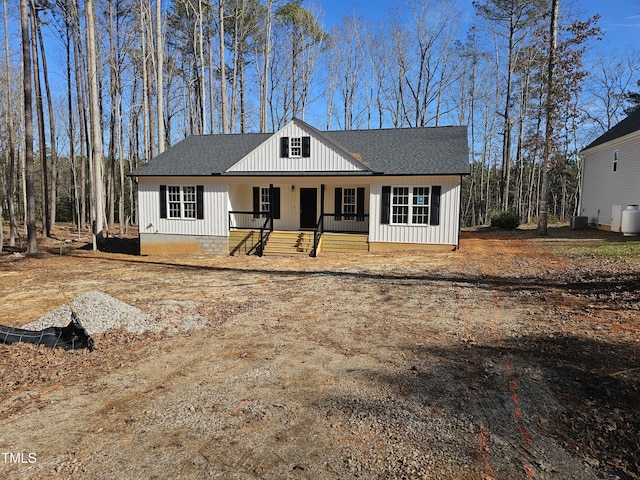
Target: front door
{"type": "Point", "coordinates": [308, 207]}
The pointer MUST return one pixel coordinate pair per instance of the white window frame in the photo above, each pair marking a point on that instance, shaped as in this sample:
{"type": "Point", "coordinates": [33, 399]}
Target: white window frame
{"type": "Point", "coordinates": [265, 201]}
{"type": "Point", "coordinates": [295, 147]}
{"type": "Point", "coordinates": [349, 203]}
{"type": "Point", "coordinates": [181, 202]}
{"type": "Point", "coordinates": [409, 203]}
{"type": "Point", "coordinates": [616, 157]}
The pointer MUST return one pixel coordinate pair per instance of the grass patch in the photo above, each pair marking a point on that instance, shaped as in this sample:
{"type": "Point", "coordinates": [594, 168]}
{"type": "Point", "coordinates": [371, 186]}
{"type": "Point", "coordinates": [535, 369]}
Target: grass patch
{"type": "Point", "coordinates": [605, 250]}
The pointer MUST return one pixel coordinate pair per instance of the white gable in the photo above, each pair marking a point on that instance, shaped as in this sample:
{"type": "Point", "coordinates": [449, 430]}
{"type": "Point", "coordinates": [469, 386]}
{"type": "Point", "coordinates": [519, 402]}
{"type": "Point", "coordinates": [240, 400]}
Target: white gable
{"type": "Point", "coordinates": [324, 156]}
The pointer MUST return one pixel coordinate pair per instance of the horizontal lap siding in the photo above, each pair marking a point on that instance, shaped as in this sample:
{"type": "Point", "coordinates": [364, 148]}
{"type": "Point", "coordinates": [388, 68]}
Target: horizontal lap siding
{"type": "Point", "coordinates": [215, 208]}
{"type": "Point", "coordinates": [603, 188]}
{"type": "Point", "coordinates": [446, 233]}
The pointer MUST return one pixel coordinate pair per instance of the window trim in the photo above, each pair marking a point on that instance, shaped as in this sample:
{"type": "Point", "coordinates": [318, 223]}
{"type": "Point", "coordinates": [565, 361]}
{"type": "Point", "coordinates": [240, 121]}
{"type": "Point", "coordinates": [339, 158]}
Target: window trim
{"type": "Point", "coordinates": [429, 209]}
{"type": "Point", "coordinates": [175, 198]}
{"type": "Point", "coordinates": [181, 202]}
{"type": "Point", "coordinates": [616, 158]}
{"type": "Point", "coordinates": [349, 215]}
{"type": "Point", "coordinates": [295, 147]}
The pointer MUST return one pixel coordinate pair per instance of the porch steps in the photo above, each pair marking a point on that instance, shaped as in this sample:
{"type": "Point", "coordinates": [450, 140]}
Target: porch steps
{"type": "Point", "coordinates": [344, 243]}
{"type": "Point", "coordinates": [287, 244]}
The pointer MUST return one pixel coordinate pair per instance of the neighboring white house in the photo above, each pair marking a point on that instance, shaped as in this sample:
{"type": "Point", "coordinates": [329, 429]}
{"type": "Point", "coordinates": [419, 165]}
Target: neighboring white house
{"type": "Point", "coordinates": [611, 176]}
{"type": "Point", "coordinates": [396, 187]}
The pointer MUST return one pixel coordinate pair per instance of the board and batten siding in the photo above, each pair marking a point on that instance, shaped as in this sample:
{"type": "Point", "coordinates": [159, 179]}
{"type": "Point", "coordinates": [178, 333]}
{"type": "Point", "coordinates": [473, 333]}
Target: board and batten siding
{"type": "Point", "coordinates": [323, 156]}
{"type": "Point", "coordinates": [602, 188]}
{"type": "Point", "coordinates": [214, 203]}
{"type": "Point", "coordinates": [446, 233]}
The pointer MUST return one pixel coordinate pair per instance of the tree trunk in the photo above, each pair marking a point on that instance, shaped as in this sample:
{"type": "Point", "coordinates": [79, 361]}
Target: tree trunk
{"type": "Point", "coordinates": [223, 73]}
{"type": "Point", "coordinates": [264, 78]}
{"type": "Point", "coordinates": [159, 79]}
{"type": "Point", "coordinates": [11, 152]}
{"type": "Point", "coordinates": [97, 190]}
{"type": "Point", "coordinates": [32, 240]}
{"type": "Point", "coordinates": [42, 142]}
{"type": "Point", "coordinates": [550, 116]}
{"type": "Point", "coordinates": [53, 176]}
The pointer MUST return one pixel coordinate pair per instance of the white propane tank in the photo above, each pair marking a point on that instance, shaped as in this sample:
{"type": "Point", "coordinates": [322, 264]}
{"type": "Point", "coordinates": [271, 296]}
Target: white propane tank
{"type": "Point", "coordinates": [630, 221]}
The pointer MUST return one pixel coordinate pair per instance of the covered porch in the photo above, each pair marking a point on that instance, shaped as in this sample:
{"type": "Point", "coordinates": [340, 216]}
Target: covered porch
{"type": "Point", "coordinates": [306, 206]}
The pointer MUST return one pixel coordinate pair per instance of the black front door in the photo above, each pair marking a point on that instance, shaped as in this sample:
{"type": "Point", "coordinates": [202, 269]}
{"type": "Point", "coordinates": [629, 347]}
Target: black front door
{"type": "Point", "coordinates": [308, 207]}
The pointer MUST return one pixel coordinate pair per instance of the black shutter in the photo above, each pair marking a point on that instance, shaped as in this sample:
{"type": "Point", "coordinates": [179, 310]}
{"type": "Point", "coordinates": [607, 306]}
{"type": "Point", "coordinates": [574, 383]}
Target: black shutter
{"type": "Point", "coordinates": [434, 217]}
{"type": "Point", "coordinates": [284, 147]}
{"type": "Point", "coordinates": [200, 202]}
{"type": "Point", "coordinates": [385, 207]}
{"type": "Point", "coordinates": [360, 204]}
{"type": "Point", "coordinates": [256, 202]}
{"type": "Point", "coordinates": [306, 147]}
{"type": "Point", "coordinates": [163, 201]}
{"type": "Point", "coordinates": [338, 204]}
{"type": "Point", "coordinates": [275, 202]}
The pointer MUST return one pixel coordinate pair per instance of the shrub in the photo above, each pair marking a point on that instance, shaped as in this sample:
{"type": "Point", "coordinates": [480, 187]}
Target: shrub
{"type": "Point", "coordinates": [505, 220]}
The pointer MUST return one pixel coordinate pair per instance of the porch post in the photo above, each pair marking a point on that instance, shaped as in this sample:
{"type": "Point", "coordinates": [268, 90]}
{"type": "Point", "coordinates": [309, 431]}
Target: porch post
{"type": "Point", "coordinates": [322, 200]}
{"type": "Point", "coordinates": [271, 206]}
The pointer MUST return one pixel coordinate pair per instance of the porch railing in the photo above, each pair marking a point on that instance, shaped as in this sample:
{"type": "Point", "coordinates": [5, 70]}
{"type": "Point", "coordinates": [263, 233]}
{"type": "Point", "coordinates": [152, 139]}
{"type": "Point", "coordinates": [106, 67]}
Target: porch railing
{"type": "Point", "coordinates": [265, 230]}
{"type": "Point", "coordinates": [240, 220]}
{"type": "Point", "coordinates": [349, 223]}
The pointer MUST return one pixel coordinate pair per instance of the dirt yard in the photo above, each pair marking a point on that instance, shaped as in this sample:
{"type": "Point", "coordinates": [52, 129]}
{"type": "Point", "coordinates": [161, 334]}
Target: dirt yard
{"type": "Point", "coordinates": [512, 358]}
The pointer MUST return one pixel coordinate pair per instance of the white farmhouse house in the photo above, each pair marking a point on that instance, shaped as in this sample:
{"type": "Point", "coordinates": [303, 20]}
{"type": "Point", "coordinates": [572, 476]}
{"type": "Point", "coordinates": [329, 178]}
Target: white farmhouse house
{"type": "Point", "coordinates": [300, 190]}
{"type": "Point", "coordinates": [611, 176]}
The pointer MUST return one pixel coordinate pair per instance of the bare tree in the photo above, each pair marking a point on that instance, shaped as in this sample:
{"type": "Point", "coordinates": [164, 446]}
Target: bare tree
{"type": "Point", "coordinates": [11, 151]}
{"type": "Point", "coordinates": [160, 77]}
{"type": "Point", "coordinates": [549, 118]}
{"type": "Point", "coordinates": [96, 158]}
{"type": "Point", "coordinates": [512, 20]}
{"type": "Point", "coordinates": [32, 240]}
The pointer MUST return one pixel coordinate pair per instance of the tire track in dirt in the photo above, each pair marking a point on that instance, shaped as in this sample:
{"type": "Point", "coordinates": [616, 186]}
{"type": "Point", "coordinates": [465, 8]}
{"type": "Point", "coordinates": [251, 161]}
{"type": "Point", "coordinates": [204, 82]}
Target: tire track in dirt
{"type": "Point", "coordinates": [508, 376]}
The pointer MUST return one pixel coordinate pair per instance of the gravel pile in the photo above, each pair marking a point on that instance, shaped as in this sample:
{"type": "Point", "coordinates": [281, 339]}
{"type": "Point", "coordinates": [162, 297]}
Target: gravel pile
{"type": "Point", "coordinates": [99, 312]}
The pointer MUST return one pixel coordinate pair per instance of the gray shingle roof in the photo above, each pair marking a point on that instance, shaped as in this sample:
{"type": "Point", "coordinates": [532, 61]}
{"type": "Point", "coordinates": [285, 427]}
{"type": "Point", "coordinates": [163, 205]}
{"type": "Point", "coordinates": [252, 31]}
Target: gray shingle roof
{"type": "Point", "coordinates": [625, 127]}
{"type": "Point", "coordinates": [404, 151]}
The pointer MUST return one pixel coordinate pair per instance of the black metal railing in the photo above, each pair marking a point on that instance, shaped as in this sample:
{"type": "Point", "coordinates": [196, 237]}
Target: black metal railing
{"type": "Point", "coordinates": [265, 230]}
{"type": "Point", "coordinates": [244, 220]}
{"type": "Point", "coordinates": [349, 223]}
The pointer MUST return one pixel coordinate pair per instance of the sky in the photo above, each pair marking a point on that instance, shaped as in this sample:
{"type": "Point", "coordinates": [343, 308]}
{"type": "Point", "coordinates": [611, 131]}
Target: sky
{"type": "Point", "coordinates": [620, 19]}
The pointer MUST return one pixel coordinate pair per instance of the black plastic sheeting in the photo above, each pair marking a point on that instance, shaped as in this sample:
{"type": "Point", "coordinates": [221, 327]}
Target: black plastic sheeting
{"type": "Point", "coordinates": [72, 337]}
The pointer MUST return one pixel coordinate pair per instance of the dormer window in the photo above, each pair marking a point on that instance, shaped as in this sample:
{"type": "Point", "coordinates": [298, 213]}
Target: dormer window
{"type": "Point", "coordinates": [295, 147]}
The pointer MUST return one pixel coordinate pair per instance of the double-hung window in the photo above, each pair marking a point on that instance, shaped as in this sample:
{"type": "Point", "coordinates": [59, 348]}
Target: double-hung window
{"type": "Point", "coordinates": [295, 147]}
{"type": "Point", "coordinates": [420, 206]}
{"type": "Point", "coordinates": [349, 203]}
{"type": "Point", "coordinates": [616, 155]}
{"type": "Point", "coordinates": [186, 201]}
{"type": "Point", "coordinates": [265, 200]}
{"type": "Point", "coordinates": [182, 201]}
{"type": "Point", "coordinates": [410, 205]}
{"type": "Point", "coordinates": [400, 205]}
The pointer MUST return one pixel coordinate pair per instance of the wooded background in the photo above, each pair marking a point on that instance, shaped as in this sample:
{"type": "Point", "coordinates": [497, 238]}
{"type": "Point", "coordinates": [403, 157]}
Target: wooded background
{"type": "Point", "coordinates": [93, 89]}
